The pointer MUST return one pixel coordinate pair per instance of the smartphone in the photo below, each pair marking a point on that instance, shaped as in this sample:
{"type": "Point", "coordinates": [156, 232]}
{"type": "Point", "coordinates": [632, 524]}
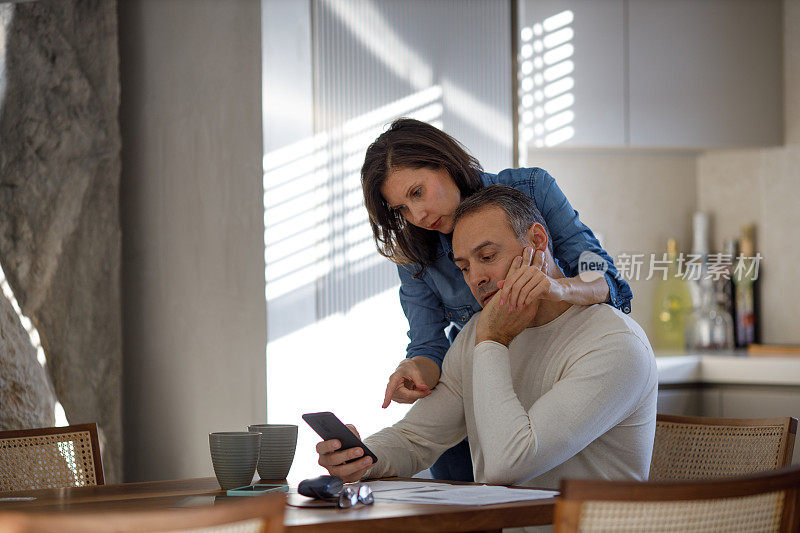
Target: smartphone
{"type": "Point", "coordinates": [329, 427]}
{"type": "Point", "coordinates": [255, 490]}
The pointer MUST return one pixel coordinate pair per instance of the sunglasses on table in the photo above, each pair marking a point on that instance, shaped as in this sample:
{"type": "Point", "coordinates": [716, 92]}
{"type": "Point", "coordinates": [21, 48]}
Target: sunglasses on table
{"type": "Point", "coordinates": [349, 497]}
{"type": "Point", "coordinates": [352, 496]}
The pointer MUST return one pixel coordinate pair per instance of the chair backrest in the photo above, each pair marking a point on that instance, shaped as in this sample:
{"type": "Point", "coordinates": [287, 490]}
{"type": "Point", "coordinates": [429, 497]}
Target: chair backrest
{"type": "Point", "coordinates": [692, 447]}
{"type": "Point", "coordinates": [50, 458]}
{"type": "Point", "coordinates": [763, 502]}
{"type": "Point", "coordinates": [262, 514]}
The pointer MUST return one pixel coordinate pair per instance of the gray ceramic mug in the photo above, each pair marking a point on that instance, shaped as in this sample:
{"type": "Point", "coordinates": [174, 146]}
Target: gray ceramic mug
{"type": "Point", "coordinates": [234, 455]}
{"type": "Point", "coordinates": [278, 443]}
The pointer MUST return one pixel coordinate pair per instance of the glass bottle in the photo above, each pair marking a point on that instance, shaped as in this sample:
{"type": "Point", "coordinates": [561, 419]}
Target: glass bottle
{"type": "Point", "coordinates": [697, 264]}
{"type": "Point", "coordinates": [726, 291]}
{"type": "Point", "coordinates": [744, 275]}
{"type": "Point", "coordinates": [673, 302]}
{"type": "Point", "coordinates": [710, 326]}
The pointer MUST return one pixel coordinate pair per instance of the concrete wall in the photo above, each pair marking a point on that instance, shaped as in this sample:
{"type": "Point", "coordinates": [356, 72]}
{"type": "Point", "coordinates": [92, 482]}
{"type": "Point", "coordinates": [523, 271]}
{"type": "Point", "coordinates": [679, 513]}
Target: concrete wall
{"type": "Point", "coordinates": [192, 220]}
{"type": "Point", "coordinates": [763, 187]}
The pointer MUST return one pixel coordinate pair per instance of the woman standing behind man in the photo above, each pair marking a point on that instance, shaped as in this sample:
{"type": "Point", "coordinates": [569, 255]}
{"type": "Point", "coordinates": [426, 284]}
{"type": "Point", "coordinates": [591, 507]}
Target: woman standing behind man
{"type": "Point", "coordinates": [414, 176]}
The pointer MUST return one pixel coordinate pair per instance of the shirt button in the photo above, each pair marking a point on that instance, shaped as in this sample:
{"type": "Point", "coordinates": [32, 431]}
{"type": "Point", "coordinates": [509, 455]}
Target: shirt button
{"type": "Point", "coordinates": [449, 315]}
{"type": "Point", "coordinates": [463, 318]}
{"type": "Point", "coordinates": [627, 309]}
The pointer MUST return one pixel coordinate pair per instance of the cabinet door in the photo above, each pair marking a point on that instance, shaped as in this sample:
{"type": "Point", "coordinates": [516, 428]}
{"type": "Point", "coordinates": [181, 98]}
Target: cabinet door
{"type": "Point", "coordinates": [678, 402]}
{"type": "Point", "coordinates": [711, 402]}
{"type": "Point", "coordinates": [762, 402]}
{"type": "Point", "coordinates": [572, 56]}
{"type": "Point", "coordinates": [705, 73]}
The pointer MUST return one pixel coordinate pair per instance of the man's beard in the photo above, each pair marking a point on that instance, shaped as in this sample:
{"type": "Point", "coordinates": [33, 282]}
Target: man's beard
{"type": "Point", "coordinates": [485, 290]}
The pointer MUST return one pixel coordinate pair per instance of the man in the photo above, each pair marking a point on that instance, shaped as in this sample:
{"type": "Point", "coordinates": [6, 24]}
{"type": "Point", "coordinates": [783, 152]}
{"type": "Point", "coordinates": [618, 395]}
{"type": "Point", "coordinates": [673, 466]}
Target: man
{"type": "Point", "coordinates": [544, 390]}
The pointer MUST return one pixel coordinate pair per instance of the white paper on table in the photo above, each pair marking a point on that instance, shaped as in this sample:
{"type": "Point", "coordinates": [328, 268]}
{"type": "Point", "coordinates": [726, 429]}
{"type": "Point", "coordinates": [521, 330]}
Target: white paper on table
{"type": "Point", "coordinates": [383, 486]}
{"type": "Point", "coordinates": [444, 494]}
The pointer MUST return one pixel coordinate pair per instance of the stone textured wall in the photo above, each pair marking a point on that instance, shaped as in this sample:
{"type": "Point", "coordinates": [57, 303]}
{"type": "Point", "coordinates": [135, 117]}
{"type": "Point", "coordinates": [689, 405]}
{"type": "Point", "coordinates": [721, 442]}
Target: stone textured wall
{"type": "Point", "coordinates": [26, 396]}
{"type": "Point", "coordinates": [59, 200]}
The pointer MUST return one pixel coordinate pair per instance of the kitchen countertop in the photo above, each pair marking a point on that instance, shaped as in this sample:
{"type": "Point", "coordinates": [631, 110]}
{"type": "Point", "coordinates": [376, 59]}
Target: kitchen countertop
{"type": "Point", "coordinates": [731, 367]}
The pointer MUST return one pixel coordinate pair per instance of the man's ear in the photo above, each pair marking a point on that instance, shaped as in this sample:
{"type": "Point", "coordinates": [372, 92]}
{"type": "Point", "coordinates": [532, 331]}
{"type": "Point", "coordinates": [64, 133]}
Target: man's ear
{"type": "Point", "coordinates": [537, 237]}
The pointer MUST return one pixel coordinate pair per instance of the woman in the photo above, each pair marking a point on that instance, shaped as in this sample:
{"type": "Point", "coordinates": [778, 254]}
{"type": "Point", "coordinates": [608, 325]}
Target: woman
{"type": "Point", "coordinates": [414, 176]}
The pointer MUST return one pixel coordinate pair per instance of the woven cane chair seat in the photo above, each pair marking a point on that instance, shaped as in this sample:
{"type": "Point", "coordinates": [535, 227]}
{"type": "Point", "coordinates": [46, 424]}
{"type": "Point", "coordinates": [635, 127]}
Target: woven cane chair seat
{"type": "Point", "coordinates": [706, 448]}
{"type": "Point", "coordinates": [48, 458]}
{"type": "Point", "coordinates": [766, 502]}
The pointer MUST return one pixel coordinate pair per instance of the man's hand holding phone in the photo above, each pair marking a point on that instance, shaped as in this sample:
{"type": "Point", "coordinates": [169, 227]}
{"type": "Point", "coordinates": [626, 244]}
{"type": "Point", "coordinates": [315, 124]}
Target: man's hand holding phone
{"type": "Point", "coordinates": [349, 464]}
{"type": "Point", "coordinates": [341, 452]}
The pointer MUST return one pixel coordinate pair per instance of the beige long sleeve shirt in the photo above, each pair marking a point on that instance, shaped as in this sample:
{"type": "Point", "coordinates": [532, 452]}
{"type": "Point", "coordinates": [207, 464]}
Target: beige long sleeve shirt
{"type": "Point", "coordinates": [574, 398]}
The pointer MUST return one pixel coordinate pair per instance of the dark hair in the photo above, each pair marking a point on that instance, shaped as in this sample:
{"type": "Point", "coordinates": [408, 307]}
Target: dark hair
{"type": "Point", "coordinates": [409, 143]}
{"type": "Point", "coordinates": [521, 211]}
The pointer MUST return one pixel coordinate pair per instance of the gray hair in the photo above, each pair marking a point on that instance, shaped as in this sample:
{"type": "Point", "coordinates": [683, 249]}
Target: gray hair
{"type": "Point", "coordinates": [521, 212]}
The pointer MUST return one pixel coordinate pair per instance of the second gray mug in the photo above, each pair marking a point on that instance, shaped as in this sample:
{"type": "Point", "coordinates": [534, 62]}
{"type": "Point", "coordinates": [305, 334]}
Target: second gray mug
{"type": "Point", "coordinates": [278, 444]}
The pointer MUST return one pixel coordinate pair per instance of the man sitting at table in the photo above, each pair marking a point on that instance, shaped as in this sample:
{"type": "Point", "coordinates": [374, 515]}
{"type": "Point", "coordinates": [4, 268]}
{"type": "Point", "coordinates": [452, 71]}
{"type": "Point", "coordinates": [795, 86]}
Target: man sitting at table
{"type": "Point", "coordinates": [543, 389]}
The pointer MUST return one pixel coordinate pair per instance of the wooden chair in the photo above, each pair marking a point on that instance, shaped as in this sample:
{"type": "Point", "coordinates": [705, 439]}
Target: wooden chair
{"type": "Point", "coordinates": [759, 503]}
{"type": "Point", "coordinates": [49, 458]}
{"type": "Point", "coordinates": [691, 447]}
{"type": "Point", "coordinates": [262, 514]}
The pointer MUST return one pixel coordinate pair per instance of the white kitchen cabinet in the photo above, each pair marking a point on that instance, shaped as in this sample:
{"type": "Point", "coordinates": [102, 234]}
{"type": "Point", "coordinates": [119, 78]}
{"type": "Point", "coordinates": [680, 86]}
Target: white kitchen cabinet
{"type": "Point", "coordinates": [762, 402]}
{"type": "Point", "coordinates": [705, 73]}
{"type": "Point", "coordinates": [590, 37]}
{"type": "Point", "coordinates": [654, 73]}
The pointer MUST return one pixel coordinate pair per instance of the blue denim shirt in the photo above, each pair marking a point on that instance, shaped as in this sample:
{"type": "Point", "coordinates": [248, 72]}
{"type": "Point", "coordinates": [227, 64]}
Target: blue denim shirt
{"type": "Point", "coordinates": [440, 297]}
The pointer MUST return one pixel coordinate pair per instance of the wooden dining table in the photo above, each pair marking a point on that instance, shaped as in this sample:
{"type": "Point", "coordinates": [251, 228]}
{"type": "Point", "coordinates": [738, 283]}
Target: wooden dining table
{"type": "Point", "coordinates": [383, 516]}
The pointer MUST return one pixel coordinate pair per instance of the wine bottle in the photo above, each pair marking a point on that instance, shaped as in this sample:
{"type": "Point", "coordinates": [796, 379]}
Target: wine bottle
{"type": "Point", "coordinates": [673, 302]}
{"type": "Point", "coordinates": [744, 274]}
{"type": "Point", "coordinates": [696, 267]}
{"type": "Point", "coordinates": [726, 291]}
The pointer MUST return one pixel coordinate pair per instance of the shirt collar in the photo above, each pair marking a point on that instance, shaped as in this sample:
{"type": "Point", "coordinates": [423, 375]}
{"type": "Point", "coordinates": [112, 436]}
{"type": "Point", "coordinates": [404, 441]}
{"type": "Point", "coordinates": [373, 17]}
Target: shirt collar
{"type": "Point", "coordinates": [446, 242]}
